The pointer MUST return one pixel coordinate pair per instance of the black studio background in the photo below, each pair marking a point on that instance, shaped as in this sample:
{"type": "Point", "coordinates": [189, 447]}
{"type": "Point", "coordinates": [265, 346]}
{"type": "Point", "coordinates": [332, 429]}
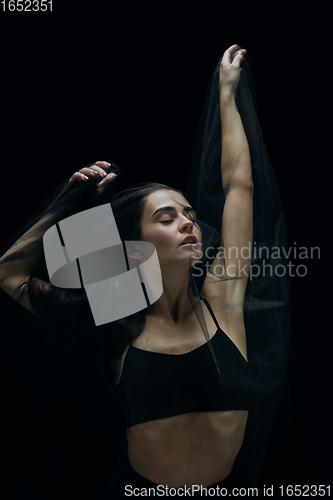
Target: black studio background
{"type": "Point", "coordinates": [128, 88]}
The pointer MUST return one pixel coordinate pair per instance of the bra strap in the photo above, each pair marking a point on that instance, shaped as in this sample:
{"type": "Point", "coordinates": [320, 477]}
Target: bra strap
{"type": "Point", "coordinates": [211, 312]}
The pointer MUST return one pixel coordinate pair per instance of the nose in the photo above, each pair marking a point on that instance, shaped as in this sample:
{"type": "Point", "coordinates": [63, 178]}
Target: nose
{"type": "Point", "coordinates": [187, 225]}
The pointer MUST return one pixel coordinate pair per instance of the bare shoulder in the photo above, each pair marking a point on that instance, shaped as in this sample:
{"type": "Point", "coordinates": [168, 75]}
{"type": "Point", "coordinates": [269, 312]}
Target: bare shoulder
{"type": "Point", "coordinates": [226, 302]}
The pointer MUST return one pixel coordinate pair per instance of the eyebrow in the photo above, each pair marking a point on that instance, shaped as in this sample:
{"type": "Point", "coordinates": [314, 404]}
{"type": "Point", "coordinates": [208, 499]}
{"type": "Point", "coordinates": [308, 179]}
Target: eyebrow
{"type": "Point", "coordinates": [172, 209]}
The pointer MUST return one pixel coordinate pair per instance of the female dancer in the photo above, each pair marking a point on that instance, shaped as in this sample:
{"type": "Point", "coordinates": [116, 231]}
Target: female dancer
{"type": "Point", "coordinates": [185, 421]}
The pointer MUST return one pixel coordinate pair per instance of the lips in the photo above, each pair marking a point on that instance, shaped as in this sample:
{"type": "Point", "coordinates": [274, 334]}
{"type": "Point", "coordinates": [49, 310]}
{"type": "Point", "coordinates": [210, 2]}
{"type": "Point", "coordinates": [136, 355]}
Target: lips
{"type": "Point", "coordinates": [189, 239]}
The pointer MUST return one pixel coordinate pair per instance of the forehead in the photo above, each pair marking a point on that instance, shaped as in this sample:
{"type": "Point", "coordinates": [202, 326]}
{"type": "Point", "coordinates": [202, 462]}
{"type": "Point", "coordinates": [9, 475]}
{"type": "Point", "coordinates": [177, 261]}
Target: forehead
{"type": "Point", "coordinates": [164, 197]}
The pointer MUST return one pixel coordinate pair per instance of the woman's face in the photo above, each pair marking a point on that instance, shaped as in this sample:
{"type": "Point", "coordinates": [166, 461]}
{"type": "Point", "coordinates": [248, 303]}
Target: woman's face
{"type": "Point", "coordinates": [165, 223]}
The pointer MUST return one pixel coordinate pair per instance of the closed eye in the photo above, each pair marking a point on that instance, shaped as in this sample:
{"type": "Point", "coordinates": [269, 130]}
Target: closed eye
{"type": "Point", "coordinates": [171, 220]}
{"type": "Point", "coordinates": [186, 210]}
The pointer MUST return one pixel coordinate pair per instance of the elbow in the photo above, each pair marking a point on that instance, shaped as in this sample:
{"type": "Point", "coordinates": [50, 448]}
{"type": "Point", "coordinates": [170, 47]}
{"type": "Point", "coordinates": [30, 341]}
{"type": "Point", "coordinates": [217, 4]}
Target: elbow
{"type": "Point", "coordinates": [244, 185]}
{"type": "Point", "coordinates": [241, 178]}
{"type": "Point", "coordinates": [246, 181]}
{"type": "Point", "coordinates": [248, 189]}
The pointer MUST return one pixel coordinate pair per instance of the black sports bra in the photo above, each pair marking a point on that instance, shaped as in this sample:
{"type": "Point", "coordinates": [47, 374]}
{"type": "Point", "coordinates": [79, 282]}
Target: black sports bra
{"type": "Point", "coordinates": [156, 385]}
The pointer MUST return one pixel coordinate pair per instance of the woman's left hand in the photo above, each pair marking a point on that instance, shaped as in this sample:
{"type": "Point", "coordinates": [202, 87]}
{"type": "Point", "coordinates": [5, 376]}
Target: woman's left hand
{"type": "Point", "coordinates": [230, 69]}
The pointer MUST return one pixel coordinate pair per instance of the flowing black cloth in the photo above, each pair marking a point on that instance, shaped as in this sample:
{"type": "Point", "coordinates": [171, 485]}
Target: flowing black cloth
{"type": "Point", "coordinates": [61, 428]}
{"type": "Point", "coordinates": [64, 427]}
{"type": "Point", "coordinates": [277, 444]}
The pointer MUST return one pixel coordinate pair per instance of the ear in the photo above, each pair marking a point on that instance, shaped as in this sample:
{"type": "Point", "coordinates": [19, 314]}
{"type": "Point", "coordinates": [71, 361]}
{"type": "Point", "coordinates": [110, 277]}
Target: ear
{"type": "Point", "coordinates": [134, 251]}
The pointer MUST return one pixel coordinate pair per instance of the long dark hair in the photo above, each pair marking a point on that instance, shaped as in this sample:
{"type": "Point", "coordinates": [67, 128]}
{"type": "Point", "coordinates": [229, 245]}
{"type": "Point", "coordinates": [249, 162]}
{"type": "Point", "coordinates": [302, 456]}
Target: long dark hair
{"type": "Point", "coordinates": [70, 307]}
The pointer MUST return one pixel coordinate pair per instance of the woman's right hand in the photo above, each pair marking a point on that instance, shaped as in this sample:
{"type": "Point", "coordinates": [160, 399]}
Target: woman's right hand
{"type": "Point", "coordinates": [95, 172]}
{"type": "Point", "coordinates": [94, 179]}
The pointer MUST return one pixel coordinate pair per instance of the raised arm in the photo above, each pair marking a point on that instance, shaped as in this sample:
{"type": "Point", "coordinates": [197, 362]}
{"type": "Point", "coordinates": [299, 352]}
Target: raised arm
{"type": "Point", "coordinates": [22, 258]}
{"type": "Point", "coordinates": [237, 225]}
{"type": "Point", "coordinates": [235, 159]}
{"type": "Point", "coordinates": [226, 281]}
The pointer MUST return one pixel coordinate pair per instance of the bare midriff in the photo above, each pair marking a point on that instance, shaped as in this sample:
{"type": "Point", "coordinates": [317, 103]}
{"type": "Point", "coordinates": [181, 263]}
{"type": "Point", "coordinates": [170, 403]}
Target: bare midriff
{"type": "Point", "coordinates": [194, 448]}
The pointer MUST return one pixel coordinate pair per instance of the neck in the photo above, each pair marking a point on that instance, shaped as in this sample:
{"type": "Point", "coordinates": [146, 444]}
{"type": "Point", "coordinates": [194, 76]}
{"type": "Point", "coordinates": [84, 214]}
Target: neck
{"type": "Point", "coordinates": [174, 305]}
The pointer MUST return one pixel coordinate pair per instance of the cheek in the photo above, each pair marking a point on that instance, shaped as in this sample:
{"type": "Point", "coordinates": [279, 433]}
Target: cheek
{"type": "Point", "coordinates": [157, 237]}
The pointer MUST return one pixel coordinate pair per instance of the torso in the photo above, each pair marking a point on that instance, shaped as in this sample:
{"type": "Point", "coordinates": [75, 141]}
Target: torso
{"type": "Point", "coordinates": [192, 448]}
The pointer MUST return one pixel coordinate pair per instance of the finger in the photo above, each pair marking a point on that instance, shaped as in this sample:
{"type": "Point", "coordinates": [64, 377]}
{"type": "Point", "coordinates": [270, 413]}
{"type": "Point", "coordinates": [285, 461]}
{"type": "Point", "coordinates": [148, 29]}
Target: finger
{"type": "Point", "coordinates": [77, 176]}
{"type": "Point", "coordinates": [100, 172]}
{"type": "Point", "coordinates": [237, 51]}
{"type": "Point", "coordinates": [103, 164]}
{"type": "Point", "coordinates": [233, 48]}
{"type": "Point", "coordinates": [107, 179]}
{"type": "Point", "coordinates": [92, 172]}
{"type": "Point", "coordinates": [227, 56]}
{"type": "Point", "coordinates": [238, 58]}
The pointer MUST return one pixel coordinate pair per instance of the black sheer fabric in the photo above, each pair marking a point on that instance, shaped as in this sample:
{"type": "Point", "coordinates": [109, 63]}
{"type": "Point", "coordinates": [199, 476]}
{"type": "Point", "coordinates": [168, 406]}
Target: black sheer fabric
{"type": "Point", "coordinates": [267, 301]}
{"type": "Point", "coordinates": [66, 428]}
{"type": "Point", "coordinates": [63, 429]}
